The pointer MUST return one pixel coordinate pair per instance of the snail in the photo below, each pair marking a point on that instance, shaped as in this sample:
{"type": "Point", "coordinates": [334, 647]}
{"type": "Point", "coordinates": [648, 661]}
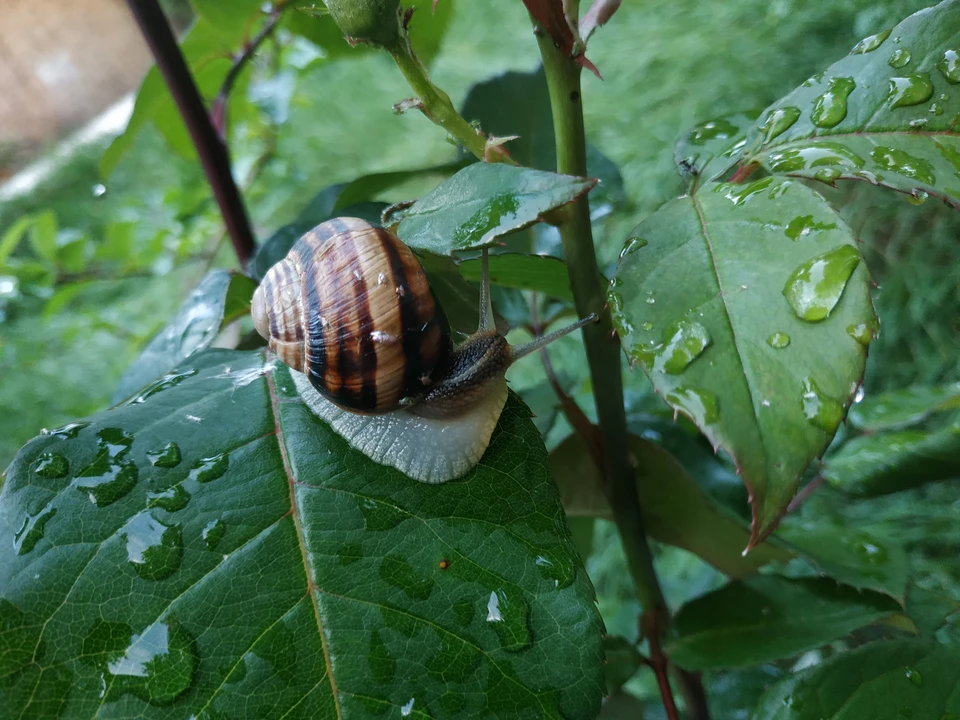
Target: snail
{"type": "Point", "coordinates": [350, 311]}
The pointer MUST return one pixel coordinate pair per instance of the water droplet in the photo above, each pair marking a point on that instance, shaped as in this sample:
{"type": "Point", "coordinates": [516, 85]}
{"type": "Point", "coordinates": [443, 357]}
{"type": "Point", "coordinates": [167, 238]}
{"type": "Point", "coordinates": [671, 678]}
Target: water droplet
{"type": "Point", "coordinates": [917, 197]}
{"type": "Point", "coordinates": [68, 431]}
{"type": "Point", "coordinates": [815, 287]}
{"type": "Point", "coordinates": [907, 165]}
{"type": "Point", "coordinates": [820, 409]}
{"type": "Point", "coordinates": [166, 457]}
{"type": "Point", "coordinates": [166, 382]}
{"type": "Point", "coordinates": [936, 108]}
{"type": "Point", "coordinates": [861, 332]}
{"type": "Point", "coordinates": [779, 121]}
{"type": "Point", "coordinates": [31, 532]}
{"type": "Point", "coordinates": [156, 666]}
{"type": "Point", "coordinates": [917, 124]}
{"type": "Point", "coordinates": [900, 58]}
{"type": "Point", "coordinates": [914, 676]}
{"type": "Point", "coordinates": [701, 406]}
{"type": "Point", "coordinates": [803, 225]}
{"type": "Point", "coordinates": [632, 245]}
{"type": "Point", "coordinates": [831, 107]}
{"type": "Point", "coordinates": [213, 532]}
{"type": "Point", "coordinates": [154, 548]}
{"type": "Point", "coordinates": [407, 707]}
{"type": "Point", "coordinates": [557, 567]}
{"type": "Point", "coordinates": [51, 465]}
{"type": "Point", "coordinates": [827, 175]}
{"type": "Point", "coordinates": [909, 90]}
{"type": "Point", "coordinates": [383, 665]}
{"type": "Point", "coordinates": [109, 477]}
{"type": "Point", "coordinates": [871, 553]}
{"type": "Point", "coordinates": [793, 702]}
{"type": "Point", "coordinates": [739, 194]}
{"type": "Point", "coordinates": [647, 325]}
{"type": "Point", "coordinates": [949, 65]}
{"type": "Point", "coordinates": [823, 154]}
{"type": "Point", "coordinates": [711, 130]}
{"type": "Point", "coordinates": [99, 190]}
{"type": "Point", "coordinates": [683, 342]}
{"type": "Point", "coordinates": [380, 515]}
{"type": "Point", "coordinates": [651, 299]}
{"type": "Point", "coordinates": [210, 468]}
{"type": "Point", "coordinates": [508, 615]}
{"type": "Point", "coordinates": [400, 574]}
{"type": "Point", "coordinates": [778, 340]}
{"type": "Point", "coordinates": [871, 43]}
{"type": "Point", "coordinates": [172, 499]}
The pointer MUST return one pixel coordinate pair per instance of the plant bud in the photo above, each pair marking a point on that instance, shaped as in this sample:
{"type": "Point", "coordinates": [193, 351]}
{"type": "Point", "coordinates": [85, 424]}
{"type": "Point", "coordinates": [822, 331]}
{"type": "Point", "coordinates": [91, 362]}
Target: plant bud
{"type": "Point", "coordinates": [376, 22]}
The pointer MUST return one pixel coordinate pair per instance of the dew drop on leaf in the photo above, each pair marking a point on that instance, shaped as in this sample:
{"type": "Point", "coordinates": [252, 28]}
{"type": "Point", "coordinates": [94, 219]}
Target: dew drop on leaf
{"type": "Point", "coordinates": [914, 676]}
{"type": "Point", "coordinates": [632, 245]}
{"type": "Point", "coordinates": [826, 155]}
{"type": "Point", "coordinates": [31, 531]}
{"type": "Point", "coordinates": [701, 406]}
{"type": "Point", "coordinates": [165, 383]}
{"type": "Point", "coordinates": [647, 325]}
{"type": "Point", "coordinates": [909, 90]}
{"type": "Point", "coordinates": [154, 548]}
{"type": "Point", "coordinates": [109, 477]}
{"type": "Point", "coordinates": [213, 532]}
{"type": "Point", "coordinates": [936, 109]}
{"type": "Point", "coordinates": [778, 340]}
{"type": "Point", "coordinates": [51, 465]}
{"type": "Point", "coordinates": [210, 468]}
{"type": "Point", "coordinates": [871, 553]}
{"type": "Point", "coordinates": [740, 194]}
{"type": "Point", "coordinates": [831, 108]}
{"type": "Point", "coordinates": [803, 225]}
{"type": "Point", "coordinates": [651, 299]}
{"type": "Point", "coordinates": [560, 569]}
{"type": "Point", "coordinates": [900, 58]}
{"type": "Point", "coordinates": [508, 615]}
{"type": "Point", "coordinates": [172, 499]}
{"type": "Point", "coordinates": [814, 288]}
{"type": "Point", "coordinates": [68, 431]}
{"type": "Point", "coordinates": [949, 65]}
{"type": "Point", "coordinates": [683, 342]}
{"type": "Point", "coordinates": [378, 515]}
{"type": "Point", "coordinates": [779, 121]}
{"type": "Point", "coordinates": [870, 43]}
{"type": "Point", "coordinates": [818, 408]}
{"type": "Point", "coordinates": [902, 162]}
{"type": "Point", "coordinates": [711, 130]}
{"type": "Point", "coordinates": [166, 457]}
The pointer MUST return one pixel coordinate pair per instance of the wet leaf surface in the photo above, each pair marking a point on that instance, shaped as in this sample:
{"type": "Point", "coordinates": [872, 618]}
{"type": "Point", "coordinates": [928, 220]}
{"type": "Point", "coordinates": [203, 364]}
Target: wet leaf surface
{"type": "Point", "coordinates": [540, 273]}
{"type": "Point", "coordinates": [263, 569]}
{"type": "Point", "coordinates": [697, 302]}
{"type": "Point", "coordinates": [713, 146]}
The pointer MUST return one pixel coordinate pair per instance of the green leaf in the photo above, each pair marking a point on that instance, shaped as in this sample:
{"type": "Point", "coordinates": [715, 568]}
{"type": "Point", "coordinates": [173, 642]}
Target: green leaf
{"type": "Point", "coordinates": [12, 237]}
{"type": "Point", "coordinates": [484, 202]}
{"type": "Point", "coordinates": [885, 114]}
{"type": "Point", "coordinates": [623, 661]}
{"type": "Point", "coordinates": [894, 679]}
{"type": "Point", "coordinates": [859, 557]}
{"type": "Point", "coordinates": [219, 299]}
{"type": "Point", "coordinates": [707, 149]}
{"type": "Point", "coordinates": [369, 187]}
{"type": "Point", "coordinates": [888, 462]}
{"type": "Point", "coordinates": [723, 298]}
{"type": "Point", "coordinates": [231, 18]}
{"type": "Point", "coordinates": [217, 549]}
{"type": "Point", "coordinates": [43, 236]}
{"type": "Point", "coordinates": [764, 618]}
{"type": "Point", "coordinates": [540, 273]}
{"type": "Point", "coordinates": [905, 407]}
{"type": "Point", "coordinates": [675, 509]}
{"type": "Point", "coordinates": [518, 104]}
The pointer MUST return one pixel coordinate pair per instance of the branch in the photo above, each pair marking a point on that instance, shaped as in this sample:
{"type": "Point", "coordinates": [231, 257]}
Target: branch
{"type": "Point", "coordinates": [603, 351]}
{"type": "Point", "coordinates": [211, 149]}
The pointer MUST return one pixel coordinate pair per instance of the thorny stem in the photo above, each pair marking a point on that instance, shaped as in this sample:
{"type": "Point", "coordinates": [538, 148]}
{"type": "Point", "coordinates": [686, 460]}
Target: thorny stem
{"type": "Point", "coordinates": [211, 149]}
{"type": "Point", "coordinates": [603, 354]}
{"type": "Point", "coordinates": [437, 106]}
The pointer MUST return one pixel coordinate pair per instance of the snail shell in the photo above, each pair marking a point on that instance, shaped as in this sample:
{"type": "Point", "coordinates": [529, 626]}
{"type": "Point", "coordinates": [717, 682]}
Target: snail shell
{"type": "Point", "coordinates": [351, 308]}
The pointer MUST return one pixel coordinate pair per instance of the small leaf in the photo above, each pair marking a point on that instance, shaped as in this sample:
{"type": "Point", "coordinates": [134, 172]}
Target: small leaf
{"type": "Point", "coordinates": [885, 114]}
{"type": "Point", "coordinates": [898, 409]}
{"type": "Point", "coordinates": [43, 236]}
{"type": "Point", "coordinates": [219, 299]}
{"type": "Point", "coordinates": [699, 298]}
{"type": "Point", "coordinates": [888, 462]}
{"type": "Point", "coordinates": [764, 618]}
{"type": "Point", "coordinates": [484, 202]}
{"type": "Point", "coordinates": [13, 235]}
{"type": "Point", "coordinates": [266, 560]}
{"type": "Point", "coordinates": [540, 273]}
{"type": "Point", "coordinates": [675, 510]}
{"type": "Point", "coordinates": [891, 679]}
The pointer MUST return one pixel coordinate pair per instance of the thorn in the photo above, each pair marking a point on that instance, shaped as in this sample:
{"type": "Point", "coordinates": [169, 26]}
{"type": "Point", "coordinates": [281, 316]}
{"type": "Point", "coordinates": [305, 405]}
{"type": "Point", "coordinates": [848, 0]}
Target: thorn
{"type": "Point", "coordinates": [409, 104]}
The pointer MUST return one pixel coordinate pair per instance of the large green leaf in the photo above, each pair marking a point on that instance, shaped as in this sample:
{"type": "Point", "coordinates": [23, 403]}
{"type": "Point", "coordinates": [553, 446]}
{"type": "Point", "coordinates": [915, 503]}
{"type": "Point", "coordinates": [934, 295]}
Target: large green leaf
{"type": "Point", "coordinates": [885, 114]}
{"type": "Point", "coordinates": [765, 617]}
{"type": "Point", "coordinates": [219, 299]}
{"type": "Point", "coordinates": [217, 551]}
{"type": "Point", "coordinates": [541, 273]}
{"type": "Point", "coordinates": [902, 408]}
{"type": "Point", "coordinates": [484, 202]}
{"type": "Point", "coordinates": [887, 462]}
{"type": "Point", "coordinates": [897, 680]}
{"type": "Point", "coordinates": [748, 307]}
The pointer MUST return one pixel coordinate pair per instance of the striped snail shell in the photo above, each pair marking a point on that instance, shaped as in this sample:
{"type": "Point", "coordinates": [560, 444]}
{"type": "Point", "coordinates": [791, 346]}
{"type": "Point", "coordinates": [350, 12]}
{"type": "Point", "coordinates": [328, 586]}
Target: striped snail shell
{"type": "Point", "coordinates": [350, 311]}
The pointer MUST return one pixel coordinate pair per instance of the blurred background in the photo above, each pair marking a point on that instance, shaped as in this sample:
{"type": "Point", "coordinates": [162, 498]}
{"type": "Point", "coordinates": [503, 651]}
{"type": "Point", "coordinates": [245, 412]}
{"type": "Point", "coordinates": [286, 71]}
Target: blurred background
{"type": "Point", "coordinates": [103, 232]}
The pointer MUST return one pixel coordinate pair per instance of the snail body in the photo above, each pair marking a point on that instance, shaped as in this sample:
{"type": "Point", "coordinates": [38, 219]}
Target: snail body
{"type": "Point", "coordinates": [350, 311]}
